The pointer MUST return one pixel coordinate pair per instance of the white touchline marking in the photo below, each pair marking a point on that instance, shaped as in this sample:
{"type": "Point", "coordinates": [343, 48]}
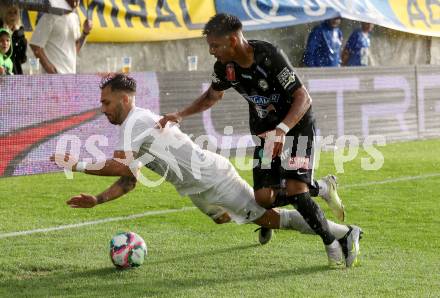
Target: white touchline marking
{"type": "Point", "coordinates": [392, 180]}
{"type": "Point", "coordinates": [148, 213]}
{"type": "Point", "coordinates": [95, 222]}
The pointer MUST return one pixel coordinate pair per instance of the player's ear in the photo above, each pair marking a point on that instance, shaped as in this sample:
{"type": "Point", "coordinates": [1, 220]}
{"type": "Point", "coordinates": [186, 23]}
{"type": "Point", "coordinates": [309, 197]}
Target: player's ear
{"type": "Point", "coordinates": [233, 39]}
{"type": "Point", "coordinates": [125, 98]}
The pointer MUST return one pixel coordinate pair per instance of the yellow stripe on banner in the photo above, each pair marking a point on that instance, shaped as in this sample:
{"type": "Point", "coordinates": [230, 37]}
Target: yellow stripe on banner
{"type": "Point", "coordinates": [121, 21]}
{"type": "Point", "coordinates": [418, 16]}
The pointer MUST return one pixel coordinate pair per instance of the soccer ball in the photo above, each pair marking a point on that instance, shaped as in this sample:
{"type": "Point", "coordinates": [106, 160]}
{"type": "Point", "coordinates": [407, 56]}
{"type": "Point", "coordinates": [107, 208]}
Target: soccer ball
{"type": "Point", "coordinates": [127, 250]}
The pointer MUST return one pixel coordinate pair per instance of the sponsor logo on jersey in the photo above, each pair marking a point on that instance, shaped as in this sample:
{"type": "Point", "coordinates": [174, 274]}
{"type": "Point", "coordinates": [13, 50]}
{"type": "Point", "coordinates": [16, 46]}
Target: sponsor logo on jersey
{"type": "Point", "coordinates": [286, 77]}
{"type": "Point", "coordinates": [201, 155]}
{"type": "Point", "coordinates": [299, 162]}
{"type": "Point", "coordinates": [230, 72]}
{"type": "Point", "coordinates": [264, 111]}
{"type": "Point", "coordinates": [267, 62]}
{"type": "Point", "coordinates": [262, 83]}
{"type": "Point", "coordinates": [246, 76]}
{"type": "Point", "coordinates": [262, 100]}
{"type": "Point", "coordinates": [214, 78]}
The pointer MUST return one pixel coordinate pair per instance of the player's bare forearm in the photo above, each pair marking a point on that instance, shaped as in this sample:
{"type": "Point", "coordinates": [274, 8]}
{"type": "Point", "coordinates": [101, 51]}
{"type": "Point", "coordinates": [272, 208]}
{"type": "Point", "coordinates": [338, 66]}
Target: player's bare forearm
{"type": "Point", "coordinates": [122, 164]}
{"type": "Point", "coordinates": [204, 102]}
{"type": "Point", "coordinates": [300, 105]}
{"type": "Point", "coordinates": [109, 167]}
{"type": "Point", "coordinates": [122, 186]}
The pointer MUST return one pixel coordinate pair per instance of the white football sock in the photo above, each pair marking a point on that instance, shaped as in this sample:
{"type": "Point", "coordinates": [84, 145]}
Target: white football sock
{"type": "Point", "coordinates": [292, 220]}
{"type": "Point", "coordinates": [337, 230]}
{"type": "Point", "coordinates": [322, 188]}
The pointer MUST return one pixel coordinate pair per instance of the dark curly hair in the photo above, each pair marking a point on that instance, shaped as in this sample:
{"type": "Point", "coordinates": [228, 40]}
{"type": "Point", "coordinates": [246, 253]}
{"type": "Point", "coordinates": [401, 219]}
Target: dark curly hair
{"type": "Point", "coordinates": [222, 24]}
{"type": "Point", "coordinates": [118, 81]}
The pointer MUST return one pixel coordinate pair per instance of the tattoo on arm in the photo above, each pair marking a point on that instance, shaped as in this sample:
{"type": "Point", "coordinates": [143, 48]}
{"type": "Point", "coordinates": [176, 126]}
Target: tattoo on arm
{"type": "Point", "coordinates": [118, 189]}
{"type": "Point", "coordinates": [126, 183]}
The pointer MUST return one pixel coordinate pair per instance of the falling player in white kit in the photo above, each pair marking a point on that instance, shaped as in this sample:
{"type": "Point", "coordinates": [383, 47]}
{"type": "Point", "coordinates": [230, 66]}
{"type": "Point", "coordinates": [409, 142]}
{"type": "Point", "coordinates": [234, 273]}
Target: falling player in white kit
{"type": "Point", "coordinates": [209, 179]}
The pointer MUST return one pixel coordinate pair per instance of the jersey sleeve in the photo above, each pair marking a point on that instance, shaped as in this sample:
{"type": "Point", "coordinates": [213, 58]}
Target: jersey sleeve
{"type": "Point", "coordinates": [136, 132]}
{"type": "Point", "coordinates": [283, 70]}
{"type": "Point", "coordinates": [219, 82]}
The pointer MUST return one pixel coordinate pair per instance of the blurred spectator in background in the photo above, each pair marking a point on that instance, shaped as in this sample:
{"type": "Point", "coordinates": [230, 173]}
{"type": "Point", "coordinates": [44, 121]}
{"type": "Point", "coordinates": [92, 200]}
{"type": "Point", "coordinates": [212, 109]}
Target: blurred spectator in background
{"type": "Point", "coordinates": [57, 40]}
{"type": "Point", "coordinates": [6, 66]}
{"type": "Point", "coordinates": [324, 44]}
{"type": "Point", "coordinates": [12, 21]}
{"type": "Point", "coordinates": [357, 49]}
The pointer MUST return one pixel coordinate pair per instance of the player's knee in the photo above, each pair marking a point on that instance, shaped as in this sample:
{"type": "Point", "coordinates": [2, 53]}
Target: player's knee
{"type": "Point", "coordinates": [264, 197]}
{"type": "Point", "coordinates": [222, 219]}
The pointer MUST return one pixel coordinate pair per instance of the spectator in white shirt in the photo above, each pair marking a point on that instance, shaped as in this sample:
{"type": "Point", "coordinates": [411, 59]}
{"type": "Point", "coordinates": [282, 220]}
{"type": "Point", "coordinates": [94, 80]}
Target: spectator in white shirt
{"type": "Point", "coordinates": [57, 40]}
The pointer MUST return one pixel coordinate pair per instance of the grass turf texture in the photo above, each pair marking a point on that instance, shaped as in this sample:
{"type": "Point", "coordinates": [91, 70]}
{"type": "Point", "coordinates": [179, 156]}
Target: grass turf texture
{"type": "Point", "coordinates": [190, 256]}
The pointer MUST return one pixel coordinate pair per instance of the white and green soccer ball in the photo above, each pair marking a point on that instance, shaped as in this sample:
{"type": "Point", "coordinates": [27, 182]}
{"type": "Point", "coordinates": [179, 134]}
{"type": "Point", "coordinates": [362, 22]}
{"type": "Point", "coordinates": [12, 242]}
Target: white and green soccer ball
{"type": "Point", "coordinates": [127, 250]}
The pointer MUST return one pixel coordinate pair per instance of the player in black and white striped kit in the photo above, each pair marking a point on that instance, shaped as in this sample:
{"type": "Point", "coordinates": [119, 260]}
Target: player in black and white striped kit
{"type": "Point", "coordinates": [280, 114]}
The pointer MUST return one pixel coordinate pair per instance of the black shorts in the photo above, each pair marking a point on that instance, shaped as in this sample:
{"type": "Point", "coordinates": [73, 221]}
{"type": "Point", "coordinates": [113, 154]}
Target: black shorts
{"type": "Point", "coordinates": [296, 163]}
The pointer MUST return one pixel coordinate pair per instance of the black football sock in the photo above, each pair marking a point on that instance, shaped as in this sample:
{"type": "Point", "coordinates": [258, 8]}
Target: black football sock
{"type": "Point", "coordinates": [313, 215]}
{"type": "Point", "coordinates": [314, 188]}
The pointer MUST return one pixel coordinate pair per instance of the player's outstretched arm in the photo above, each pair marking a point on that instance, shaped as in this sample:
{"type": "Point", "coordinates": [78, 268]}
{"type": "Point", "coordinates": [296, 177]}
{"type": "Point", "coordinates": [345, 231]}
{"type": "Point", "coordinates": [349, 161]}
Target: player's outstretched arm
{"type": "Point", "coordinates": [202, 103]}
{"type": "Point", "coordinates": [122, 186]}
{"type": "Point", "coordinates": [110, 167]}
{"type": "Point", "coordinates": [120, 165]}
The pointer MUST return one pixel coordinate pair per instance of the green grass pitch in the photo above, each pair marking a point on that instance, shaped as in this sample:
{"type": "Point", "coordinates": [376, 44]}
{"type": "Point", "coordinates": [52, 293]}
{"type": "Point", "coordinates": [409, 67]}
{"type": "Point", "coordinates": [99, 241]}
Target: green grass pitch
{"type": "Point", "coordinates": [190, 256]}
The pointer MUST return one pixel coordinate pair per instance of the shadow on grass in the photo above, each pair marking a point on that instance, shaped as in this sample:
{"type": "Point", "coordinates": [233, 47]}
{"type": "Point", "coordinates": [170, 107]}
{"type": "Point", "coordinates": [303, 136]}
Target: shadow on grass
{"type": "Point", "coordinates": [102, 282]}
{"type": "Point", "coordinates": [205, 254]}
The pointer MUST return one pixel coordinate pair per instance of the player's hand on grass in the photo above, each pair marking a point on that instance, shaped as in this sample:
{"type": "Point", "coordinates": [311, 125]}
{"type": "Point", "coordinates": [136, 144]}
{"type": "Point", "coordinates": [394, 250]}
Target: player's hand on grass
{"type": "Point", "coordinates": [65, 161]}
{"type": "Point", "coordinates": [171, 117]}
{"type": "Point", "coordinates": [275, 139]}
{"type": "Point", "coordinates": [82, 201]}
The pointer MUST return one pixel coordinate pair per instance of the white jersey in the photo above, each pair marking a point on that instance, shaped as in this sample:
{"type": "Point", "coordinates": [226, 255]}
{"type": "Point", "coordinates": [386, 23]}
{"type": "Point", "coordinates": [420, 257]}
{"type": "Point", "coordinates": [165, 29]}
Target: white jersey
{"type": "Point", "coordinates": [172, 154]}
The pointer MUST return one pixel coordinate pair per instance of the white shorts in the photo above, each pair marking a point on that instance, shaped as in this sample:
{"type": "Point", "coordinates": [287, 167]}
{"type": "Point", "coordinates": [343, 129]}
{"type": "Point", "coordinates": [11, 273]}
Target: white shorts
{"type": "Point", "coordinates": [234, 196]}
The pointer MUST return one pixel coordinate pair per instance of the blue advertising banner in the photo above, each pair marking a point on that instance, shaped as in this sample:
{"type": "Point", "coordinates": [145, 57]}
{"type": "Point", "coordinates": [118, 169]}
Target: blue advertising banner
{"type": "Point", "coordinates": [414, 16]}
